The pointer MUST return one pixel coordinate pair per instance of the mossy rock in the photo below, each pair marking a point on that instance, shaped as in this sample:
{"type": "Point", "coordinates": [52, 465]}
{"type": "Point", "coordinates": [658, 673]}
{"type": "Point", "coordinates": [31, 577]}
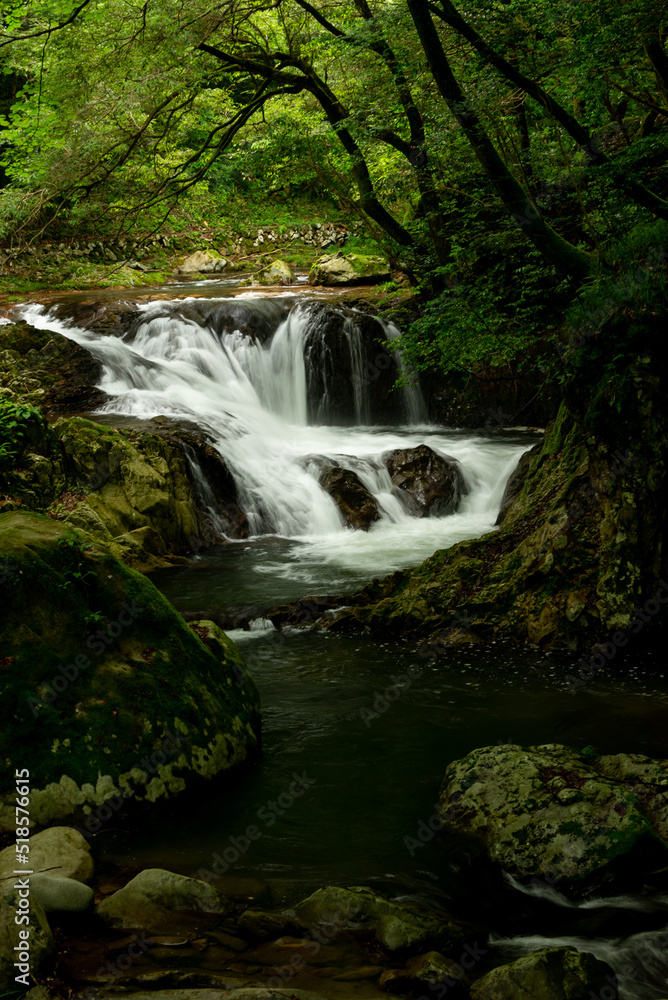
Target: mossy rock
{"type": "Point", "coordinates": [548, 974]}
{"type": "Point", "coordinates": [107, 691]}
{"type": "Point", "coordinates": [348, 269]}
{"type": "Point", "coordinates": [568, 564]}
{"type": "Point", "coordinates": [131, 480]}
{"type": "Point", "coordinates": [546, 812]}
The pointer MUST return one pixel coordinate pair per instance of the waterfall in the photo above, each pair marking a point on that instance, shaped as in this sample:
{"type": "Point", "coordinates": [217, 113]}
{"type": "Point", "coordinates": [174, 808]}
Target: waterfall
{"type": "Point", "coordinates": [281, 388]}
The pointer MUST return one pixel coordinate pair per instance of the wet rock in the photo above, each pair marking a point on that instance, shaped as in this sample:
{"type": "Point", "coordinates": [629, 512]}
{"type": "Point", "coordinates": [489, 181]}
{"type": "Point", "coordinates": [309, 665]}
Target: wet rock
{"type": "Point", "coordinates": [348, 269]}
{"type": "Point", "coordinates": [427, 972]}
{"type": "Point", "coordinates": [52, 370]}
{"type": "Point", "coordinates": [260, 993]}
{"type": "Point", "coordinates": [646, 779]}
{"type": "Point", "coordinates": [334, 910]}
{"type": "Point", "coordinates": [59, 852]}
{"type": "Point", "coordinates": [357, 974]}
{"type": "Point", "coordinates": [291, 951]}
{"type": "Point", "coordinates": [516, 482]}
{"type": "Point", "coordinates": [265, 926]}
{"type": "Point", "coordinates": [546, 812]}
{"type": "Point", "coordinates": [278, 273]}
{"type": "Point", "coordinates": [41, 952]}
{"type": "Point", "coordinates": [350, 371]}
{"type": "Point", "coordinates": [434, 484]}
{"type": "Point", "coordinates": [130, 480]}
{"type": "Point", "coordinates": [57, 894]}
{"type": "Point", "coordinates": [356, 504]}
{"type": "Point", "coordinates": [550, 974]}
{"type": "Point", "coordinates": [155, 899]}
{"type": "Point", "coordinates": [201, 262]}
{"type": "Point", "coordinates": [173, 994]}
{"type": "Point", "coordinates": [114, 699]}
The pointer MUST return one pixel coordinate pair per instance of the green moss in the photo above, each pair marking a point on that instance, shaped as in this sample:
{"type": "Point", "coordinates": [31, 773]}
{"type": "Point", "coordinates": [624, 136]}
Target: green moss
{"type": "Point", "coordinates": [558, 569]}
{"type": "Point", "coordinates": [75, 618]}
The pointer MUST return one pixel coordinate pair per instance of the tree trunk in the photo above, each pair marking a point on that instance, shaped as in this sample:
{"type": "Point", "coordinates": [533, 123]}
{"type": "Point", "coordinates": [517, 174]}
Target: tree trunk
{"type": "Point", "coordinates": [554, 248]}
{"type": "Point", "coordinates": [595, 157]}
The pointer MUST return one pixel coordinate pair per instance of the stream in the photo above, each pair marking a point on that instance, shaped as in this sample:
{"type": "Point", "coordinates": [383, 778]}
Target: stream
{"type": "Point", "coordinates": [357, 732]}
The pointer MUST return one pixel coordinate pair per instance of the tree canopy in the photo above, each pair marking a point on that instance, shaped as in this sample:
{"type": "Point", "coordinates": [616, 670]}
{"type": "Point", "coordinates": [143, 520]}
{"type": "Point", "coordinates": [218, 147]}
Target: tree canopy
{"type": "Point", "coordinates": [413, 114]}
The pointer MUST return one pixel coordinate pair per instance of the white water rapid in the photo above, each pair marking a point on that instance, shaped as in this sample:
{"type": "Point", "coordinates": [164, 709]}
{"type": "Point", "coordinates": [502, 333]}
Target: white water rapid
{"type": "Point", "coordinates": [254, 399]}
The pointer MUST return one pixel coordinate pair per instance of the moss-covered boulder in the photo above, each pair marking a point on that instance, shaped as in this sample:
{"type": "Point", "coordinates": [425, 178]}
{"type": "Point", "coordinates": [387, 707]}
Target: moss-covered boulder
{"type": "Point", "coordinates": [155, 899]}
{"type": "Point", "coordinates": [112, 698]}
{"type": "Point", "coordinates": [547, 812]}
{"type": "Point", "coordinates": [570, 562]}
{"type": "Point", "coordinates": [334, 911]}
{"type": "Point", "coordinates": [278, 272]}
{"type": "Point", "coordinates": [147, 491]}
{"type": "Point", "coordinates": [348, 269]}
{"type": "Point", "coordinates": [201, 262]}
{"type": "Point", "coordinates": [549, 974]}
{"type": "Point", "coordinates": [131, 481]}
{"type": "Point", "coordinates": [47, 369]}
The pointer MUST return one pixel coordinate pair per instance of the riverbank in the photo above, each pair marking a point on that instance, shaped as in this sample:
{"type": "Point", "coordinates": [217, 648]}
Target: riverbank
{"type": "Point", "coordinates": [127, 489]}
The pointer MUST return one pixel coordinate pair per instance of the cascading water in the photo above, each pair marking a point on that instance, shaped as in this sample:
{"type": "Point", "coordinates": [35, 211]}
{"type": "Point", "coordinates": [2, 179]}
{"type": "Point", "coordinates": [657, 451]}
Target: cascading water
{"type": "Point", "coordinates": [268, 394]}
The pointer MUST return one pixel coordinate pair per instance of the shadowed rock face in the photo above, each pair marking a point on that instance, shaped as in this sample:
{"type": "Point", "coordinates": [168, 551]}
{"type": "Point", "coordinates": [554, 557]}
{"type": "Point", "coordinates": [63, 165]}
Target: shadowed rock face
{"type": "Point", "coordinates": [356, 503]}
{"type": "Point", "coordinates": [113, 697]}
{"type": "Point", "coordinates": [549, 974]}
{"type": "Point", "coordinates": [350, 372]}
{"type": "Point", "coordinates": [547, 812]}
{"type": "Point", "coordinates": [432, 484]}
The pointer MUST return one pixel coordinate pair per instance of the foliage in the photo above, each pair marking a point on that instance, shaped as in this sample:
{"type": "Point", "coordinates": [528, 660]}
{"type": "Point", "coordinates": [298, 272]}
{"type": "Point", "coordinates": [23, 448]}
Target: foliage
{"type": "Point", "coordinates": [15, 420]}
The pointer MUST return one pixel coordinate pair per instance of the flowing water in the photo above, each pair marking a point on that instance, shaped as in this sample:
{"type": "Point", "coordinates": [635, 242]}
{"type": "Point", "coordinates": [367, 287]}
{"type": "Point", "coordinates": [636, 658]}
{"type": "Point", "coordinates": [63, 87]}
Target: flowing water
{"type": "Point", "coordinates": [357, 732]}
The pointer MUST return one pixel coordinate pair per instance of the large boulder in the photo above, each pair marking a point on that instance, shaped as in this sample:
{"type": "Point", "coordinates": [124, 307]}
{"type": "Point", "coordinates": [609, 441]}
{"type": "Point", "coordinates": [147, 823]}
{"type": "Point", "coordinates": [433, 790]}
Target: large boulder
{"type": "Point", "coordinates": [335, 910]}
{"type": "Point", "coordinates": [201, 262]}
{"type": "Point", "coordinates": [33, 930]}
{"type": "Point", "coordinates": [431, 971]}
{"type": "Point", "coordinates": [348, 269]}
{"type": "Point", "coordinates": [546, 811]}
{"type": "Point", "coordinates": [429, 484]}
{"type": "Point", "coordinates": [550, 974]}
{"type": "Point", "coordinates": [357, 505]}
{"type": "Point", "coordinates": [149, 490]}
{"type": "Point", "coordinates": [131, 480]}
{"type": "Point", "coordinates": [60, 851]}
{"type": "Point", "coordinates": [277, 273]}
{"type": "Point", "coordinates": [155, 899]}
{"type": "Point", "coordinates": [112, 697]}
{"type": "Point", "coordinates": [45, 368]}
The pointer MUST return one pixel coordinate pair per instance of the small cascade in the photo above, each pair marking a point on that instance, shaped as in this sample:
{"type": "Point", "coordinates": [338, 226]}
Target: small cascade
{"type": "Point", "coordinates": [280, 388]}
{"type": "Point", "coordinates": [204, 493]}
{"type": "Point", "coordinates": [413, 399]}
